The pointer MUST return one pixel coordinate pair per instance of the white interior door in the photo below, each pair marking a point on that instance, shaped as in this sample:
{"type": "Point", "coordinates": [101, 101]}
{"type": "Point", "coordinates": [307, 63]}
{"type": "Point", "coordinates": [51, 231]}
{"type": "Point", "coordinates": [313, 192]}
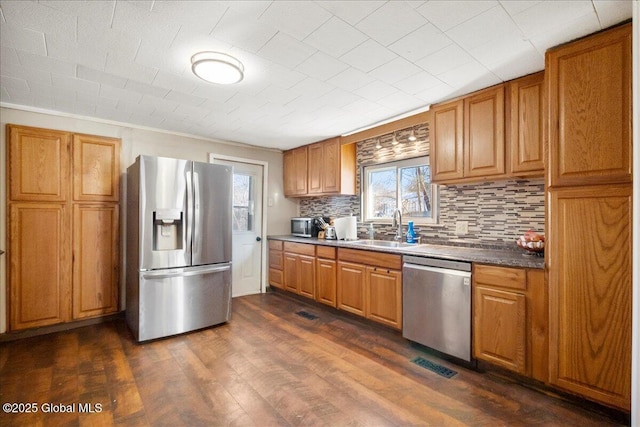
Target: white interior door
{"type": "Point", "coordinates": [247, 227]}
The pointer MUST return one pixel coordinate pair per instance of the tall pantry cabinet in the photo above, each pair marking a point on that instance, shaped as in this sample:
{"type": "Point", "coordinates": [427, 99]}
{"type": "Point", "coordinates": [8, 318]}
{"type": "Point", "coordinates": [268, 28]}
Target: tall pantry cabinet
{"type": "Point", "coordinates": [63, 226]}
{"type": "Point", "coordinates": [589, 187]}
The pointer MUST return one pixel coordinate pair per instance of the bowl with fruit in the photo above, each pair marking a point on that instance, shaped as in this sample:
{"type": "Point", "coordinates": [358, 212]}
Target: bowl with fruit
{"type": "Point", "coordinates": [532, 242]}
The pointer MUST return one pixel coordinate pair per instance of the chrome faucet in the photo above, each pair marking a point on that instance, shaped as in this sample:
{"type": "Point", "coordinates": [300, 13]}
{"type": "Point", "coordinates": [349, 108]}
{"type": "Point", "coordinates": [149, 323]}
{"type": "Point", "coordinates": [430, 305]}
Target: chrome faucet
{"type": "Point", "coordinates": [397, 223]}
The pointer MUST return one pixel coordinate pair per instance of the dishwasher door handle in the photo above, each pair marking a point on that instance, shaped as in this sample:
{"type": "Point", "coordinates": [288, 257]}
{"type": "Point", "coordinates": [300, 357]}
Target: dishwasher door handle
{"type": "Point", "coordinates": [439, 270]}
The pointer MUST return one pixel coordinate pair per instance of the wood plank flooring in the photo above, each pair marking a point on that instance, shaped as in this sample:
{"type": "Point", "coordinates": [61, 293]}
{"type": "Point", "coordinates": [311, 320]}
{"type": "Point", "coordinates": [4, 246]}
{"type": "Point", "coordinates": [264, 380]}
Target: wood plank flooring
{"type": "Point", "coordinates": [267, 367]}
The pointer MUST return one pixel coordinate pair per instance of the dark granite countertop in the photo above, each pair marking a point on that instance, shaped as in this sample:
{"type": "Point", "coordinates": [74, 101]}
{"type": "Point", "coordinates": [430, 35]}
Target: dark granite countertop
{"type": "Point", "coordinates": [503, 257]}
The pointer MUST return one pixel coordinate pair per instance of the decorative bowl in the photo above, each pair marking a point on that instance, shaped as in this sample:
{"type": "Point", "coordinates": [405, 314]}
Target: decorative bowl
{"type": "Point", "coordinates": [531, 242]}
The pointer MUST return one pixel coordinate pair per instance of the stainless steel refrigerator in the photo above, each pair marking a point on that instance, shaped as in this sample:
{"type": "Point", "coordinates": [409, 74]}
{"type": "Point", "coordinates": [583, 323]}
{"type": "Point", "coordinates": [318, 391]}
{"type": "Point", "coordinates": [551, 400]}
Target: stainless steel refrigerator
{"type": "Point", "coordinates": [178, 246]}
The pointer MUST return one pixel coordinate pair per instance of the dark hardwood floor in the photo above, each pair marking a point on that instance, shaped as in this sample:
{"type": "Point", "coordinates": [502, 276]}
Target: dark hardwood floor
{"type": "Point", "coordinates": [267, 367]}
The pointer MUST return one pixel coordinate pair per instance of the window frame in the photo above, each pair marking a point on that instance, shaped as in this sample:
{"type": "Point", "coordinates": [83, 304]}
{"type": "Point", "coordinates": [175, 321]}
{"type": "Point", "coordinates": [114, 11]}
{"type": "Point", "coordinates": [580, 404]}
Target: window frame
{"type": "Point", "coordinates": [398, 165]}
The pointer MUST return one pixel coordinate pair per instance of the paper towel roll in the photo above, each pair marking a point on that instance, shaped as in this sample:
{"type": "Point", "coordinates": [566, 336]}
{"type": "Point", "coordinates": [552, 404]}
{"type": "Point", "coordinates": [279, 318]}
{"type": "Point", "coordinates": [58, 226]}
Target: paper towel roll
{"type": "Point", "coordinates": [346, 228]}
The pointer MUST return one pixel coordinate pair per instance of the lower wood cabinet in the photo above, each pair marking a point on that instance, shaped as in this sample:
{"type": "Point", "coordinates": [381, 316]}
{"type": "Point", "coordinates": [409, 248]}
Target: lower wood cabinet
{"type": "Point", "coordinates": [39, 265]}
{"type": "Point", "coordinates": [276, 264]}
{"type": "Point", "coordinates": [299, 264]}
{"type": "Point", "coordinates": [326, 275]}
{"type": "Point", "coordinates": [95, 228]}
{"type": "Point", "coordinates": [510, 319]}
{"type": "Point", "coordinates": [351, 287]}
{"type": "Point", "coordinates": [384, 296]}
{"type": "Point", "coordinates": [370, 285]}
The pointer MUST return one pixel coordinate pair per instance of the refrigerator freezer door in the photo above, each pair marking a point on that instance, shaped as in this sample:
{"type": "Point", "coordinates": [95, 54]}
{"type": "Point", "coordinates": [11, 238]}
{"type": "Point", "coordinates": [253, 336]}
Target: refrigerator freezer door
{"type": "Point", "coordinates": [164, 213]}
{"type": "Point", "coordinates": [181, 300]}
{"type": "Point", "coordinates": [212, 189]}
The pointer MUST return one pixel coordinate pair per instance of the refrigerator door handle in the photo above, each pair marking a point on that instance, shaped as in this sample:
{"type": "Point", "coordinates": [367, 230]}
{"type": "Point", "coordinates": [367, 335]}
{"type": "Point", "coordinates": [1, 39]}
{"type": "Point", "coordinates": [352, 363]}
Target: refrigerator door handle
{"type": "Point", "coordinates": [185, 272]}
{"type": "Point", "coordinates": [196, 214]}
{"type": "Point", "coordinates": [189, 213]}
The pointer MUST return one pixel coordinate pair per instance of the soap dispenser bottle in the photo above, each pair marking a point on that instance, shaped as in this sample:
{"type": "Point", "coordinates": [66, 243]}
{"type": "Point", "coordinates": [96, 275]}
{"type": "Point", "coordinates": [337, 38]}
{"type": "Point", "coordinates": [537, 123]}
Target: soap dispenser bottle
{"type": "Point", "coordinates": [411, 234]}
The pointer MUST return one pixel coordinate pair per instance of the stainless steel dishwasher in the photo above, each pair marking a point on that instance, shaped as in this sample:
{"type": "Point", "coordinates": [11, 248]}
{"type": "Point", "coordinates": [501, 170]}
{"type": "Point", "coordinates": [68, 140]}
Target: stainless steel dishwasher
{"type": "Point", "coordinates": [436, 298]}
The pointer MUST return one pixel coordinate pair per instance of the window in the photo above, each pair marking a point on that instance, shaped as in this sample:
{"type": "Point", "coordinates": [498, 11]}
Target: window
{"type": "Point", "coordinates": [404, 185]}
{"type": "Point", "coordinates": [242, 202]}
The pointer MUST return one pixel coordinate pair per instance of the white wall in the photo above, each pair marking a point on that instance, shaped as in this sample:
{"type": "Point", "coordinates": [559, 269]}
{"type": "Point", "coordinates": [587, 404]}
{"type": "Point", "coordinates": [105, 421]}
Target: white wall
{"type": "Point", "coordinates": [137, 141]}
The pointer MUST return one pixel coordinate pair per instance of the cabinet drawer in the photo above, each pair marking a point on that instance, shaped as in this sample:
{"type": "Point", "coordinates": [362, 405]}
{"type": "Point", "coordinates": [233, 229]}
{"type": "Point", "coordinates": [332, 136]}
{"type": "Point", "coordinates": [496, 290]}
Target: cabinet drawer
{"type": "Point", "coordinates": [276, 278]}
{"type": "Point", "coordinates": [275, 259]}
{"type": "Point", "coordinates": [512, 278]}
{"type": "Point", "coordinates": [300, 248]}
{"type": "Point", "coordinates": [326, 252]}
{"type": "Point", "coordinates": [275, 244]}
{"type": "Point", "coordinates": [372, 258]}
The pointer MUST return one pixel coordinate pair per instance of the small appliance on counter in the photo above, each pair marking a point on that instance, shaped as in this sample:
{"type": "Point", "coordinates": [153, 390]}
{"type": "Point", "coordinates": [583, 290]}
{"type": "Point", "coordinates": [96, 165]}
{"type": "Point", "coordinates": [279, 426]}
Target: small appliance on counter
{"type": "Point", "coordinates": [346, 228]}
{"type": "Point", "coordinates": [330, 233]}
{"type": "Point", "coordinates": [306, 227]}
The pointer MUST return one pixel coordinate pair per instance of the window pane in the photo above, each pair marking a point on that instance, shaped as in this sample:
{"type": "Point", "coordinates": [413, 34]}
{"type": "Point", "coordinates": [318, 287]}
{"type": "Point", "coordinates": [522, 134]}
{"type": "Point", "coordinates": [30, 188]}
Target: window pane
{"type": "Point", "coordinates": [415, 191]}
{"type": "Point", "coordinates": [241, 220]}
{"type": "Point", "coordinates": [242, 202]}
{"type": "Point", "coordinates": [382, 193]}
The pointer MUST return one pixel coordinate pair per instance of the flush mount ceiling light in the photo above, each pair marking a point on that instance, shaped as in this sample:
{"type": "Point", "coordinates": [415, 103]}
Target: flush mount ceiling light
{"type": "Point", "coordinates": [217, 67]}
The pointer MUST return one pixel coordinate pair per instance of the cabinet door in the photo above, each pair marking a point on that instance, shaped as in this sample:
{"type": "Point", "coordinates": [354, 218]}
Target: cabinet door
{"type": "Point", "coordinates": [526, 152]}
{"type": "Point", "coordinates": [289, 173]}
{"type": "Point", "coordinates": [316, 168]}
{"type": "Point", "coordinates": [351, 287]}
{"type": "Point", "coordinates": [589, 265]}
{"type": "Point", "coordinates": [307, 271]}
{"type": "Point", "coordinates": [589, 107]}
{"type": "Point", "coordinates": [300, 160]}
{"type": "Point", "coordinates": [384, 296]}
{"type": "Point", "coordinates": [484, 133]}
{"type": "Point", "coordinates": [96, 168]}
{"type": "Point", "coordinates": [446, 144]}
{"type": "Point", "coordinates": [38, 164]}
{"type": "Point", "coordinates": [331, 166]}
{"type": "Point", "coordinates": [499, 327]}
{"type": "Point", "coordinates": [39, 268]}
{"type": "Point", "coordinates": [95, 260]}
{"type": "Point", "coordinates": [291, 276]}
{"type": "Point", "coordinates": [326, 278]}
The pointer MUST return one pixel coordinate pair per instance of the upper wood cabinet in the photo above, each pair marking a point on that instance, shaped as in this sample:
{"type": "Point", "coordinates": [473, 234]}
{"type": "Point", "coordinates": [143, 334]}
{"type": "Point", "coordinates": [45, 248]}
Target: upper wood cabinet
{"type": "Point", "coordinates": [329, 169]}
{"type": "Point", "coordinates": [524, 112]}
{"type": "Point", "coordinates": [484, 133]}
{"type": "Point", "coordinates": [295, 172]}
{"type": "Point", "coordinates": [39, 163]}
{"type": "Point", "coordinates": [589, 216]}
{"type": "Point", "coordinates": [589, 106]}
{"type": "Point", "coordinates": [447, 157]}
{"type": "Point", "coordinates": [468, 141]}
{"type": "Point", "coordinates": [96, 168]}
{"type": "Point", "coordinates": [63, 239]}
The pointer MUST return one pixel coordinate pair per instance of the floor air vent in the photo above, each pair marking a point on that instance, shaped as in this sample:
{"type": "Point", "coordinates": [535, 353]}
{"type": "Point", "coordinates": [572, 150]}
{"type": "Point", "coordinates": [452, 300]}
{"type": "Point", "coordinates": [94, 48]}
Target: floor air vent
{"type": "Point", "coordinates": [438, 369]}
{"type": "Point", "coordinates": [306, 315]}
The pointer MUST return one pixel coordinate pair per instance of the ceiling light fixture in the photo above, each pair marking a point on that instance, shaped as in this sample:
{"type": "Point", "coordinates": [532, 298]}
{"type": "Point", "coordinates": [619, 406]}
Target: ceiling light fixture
{"type": "Point", "coordinates": [394, 141]}
{"type": "Point", "coordinates": [412, 135]}
{"type": "Point", "coordinates": [378, 145]}
{"type": "Point", "coordinates": [217, 67]}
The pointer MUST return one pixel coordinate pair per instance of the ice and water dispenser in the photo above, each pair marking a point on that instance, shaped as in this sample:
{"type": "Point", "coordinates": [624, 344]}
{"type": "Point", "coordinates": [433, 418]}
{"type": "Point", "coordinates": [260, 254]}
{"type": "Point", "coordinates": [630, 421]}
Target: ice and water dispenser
{"type": "Point", "coordinates": [167, 229]}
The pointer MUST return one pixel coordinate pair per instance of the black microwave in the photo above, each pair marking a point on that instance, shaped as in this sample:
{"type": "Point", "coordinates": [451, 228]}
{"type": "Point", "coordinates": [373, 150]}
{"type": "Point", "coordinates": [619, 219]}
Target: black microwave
{"type": "Point", "coordinates": [303, 227]}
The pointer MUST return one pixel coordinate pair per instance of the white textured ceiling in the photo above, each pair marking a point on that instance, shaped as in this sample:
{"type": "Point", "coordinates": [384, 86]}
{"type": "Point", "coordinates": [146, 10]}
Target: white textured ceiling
{"type": "Point", "coordinates": [314, 69]}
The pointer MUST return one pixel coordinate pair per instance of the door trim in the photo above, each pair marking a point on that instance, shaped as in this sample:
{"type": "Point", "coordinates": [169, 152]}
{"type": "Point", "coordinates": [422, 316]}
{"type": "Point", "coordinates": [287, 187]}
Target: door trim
{"type": "Point", "coordinates": [265, 194]}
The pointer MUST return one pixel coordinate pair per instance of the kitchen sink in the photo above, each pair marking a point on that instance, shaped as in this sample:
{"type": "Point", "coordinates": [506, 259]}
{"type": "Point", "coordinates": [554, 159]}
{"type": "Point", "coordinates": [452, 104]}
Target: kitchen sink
{"type": "Point", "coordinates": [383, 243]}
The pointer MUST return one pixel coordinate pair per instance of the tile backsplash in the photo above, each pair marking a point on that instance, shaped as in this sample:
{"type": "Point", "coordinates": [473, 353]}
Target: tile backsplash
{"type": "Point", "coordinates": [497, 212]}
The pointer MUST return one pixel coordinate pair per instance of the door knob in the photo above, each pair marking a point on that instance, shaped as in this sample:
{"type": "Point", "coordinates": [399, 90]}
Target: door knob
{"type": "Point", "coordinates": [258, 239]}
